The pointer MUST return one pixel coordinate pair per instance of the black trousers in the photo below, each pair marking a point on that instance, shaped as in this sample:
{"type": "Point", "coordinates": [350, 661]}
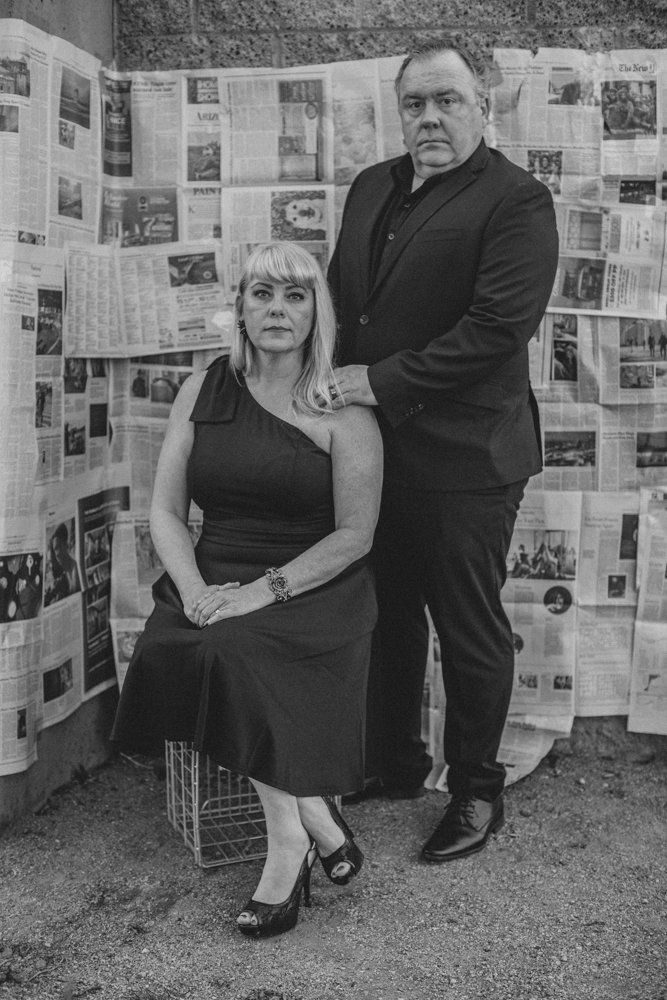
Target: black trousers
{"type": "Point", "coordinates": [446, 551]}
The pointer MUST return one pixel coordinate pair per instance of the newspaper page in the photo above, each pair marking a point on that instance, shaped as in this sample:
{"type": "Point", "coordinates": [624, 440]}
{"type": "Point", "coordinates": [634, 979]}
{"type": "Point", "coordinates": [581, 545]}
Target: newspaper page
{"type": "Point", "coordinates": [607, 602]}
{"type": "Point", "coordinates": [568, 359]}
{"type": "Point", "coordinates": [124, 635]}
{"type": "Point", "coordinates": [138, 443]}
{"type": "Point", "coordinates": [623, 282]}
{"type": "Point", "coordinates": [629, 91]}
{"type": "Point", "coordinates": [648, 689]}
{"type": "Point", "coordinates": [19, 388]}
{"type": "Point", "coordinates": [24, 105]}
{"type": "Point", "coordinates": [633, 446]}
{"type": "Point", "coordinates": [633, 360]}
{"type": "Point", "coordinates": [539, 597]}
{"type": "Point", "coordinates": [92, 313]}
{"type": "Point", "coordinates": [203, 116]}
{"type": "Point", "coordinates": [155, 111]}
{"type": "Point", "coordinates": [85, 415]}
{"type": "Point", "coordinates": [571, 434]}
{"type": "Point", "coordinates": [251, 216]}
{"type": "Point", "coordinates": [278, 127]}
{"type": "Point", "coordinates": [96, 516]}
{"type": "Point", "coordinates": [389, 123]}
{"type": "Point", "coordinates": [19, 696]}
{"type": "Point", "coordinates": [61, 665]}
{"type": "Point", "coordinates": [605, 637]}
{"type": "Point", "coordinates": [546, 117]}
{"type": "Point", "coordinates": [652, 507]}
{"type": "Point", "coordinates": [200, 210]}
{"type": "Point", "coordinates": [75, 146]}
{"type": "Point", "coordinates": [173, 298]}
{"type": "Point", "coordinates": [608, 562]}
{"type": "Point", "coordinates": [355, 101]}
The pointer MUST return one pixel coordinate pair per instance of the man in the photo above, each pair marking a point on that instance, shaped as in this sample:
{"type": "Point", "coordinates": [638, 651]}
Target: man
{"type": "Point", "coordinates": [443, 268]}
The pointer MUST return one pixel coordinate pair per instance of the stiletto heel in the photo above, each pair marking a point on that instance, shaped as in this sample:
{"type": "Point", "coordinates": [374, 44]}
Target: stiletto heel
{"type": "Point", "coordinates": [348, 853]}
{"type": "Point", "coordinates": [276, 918]}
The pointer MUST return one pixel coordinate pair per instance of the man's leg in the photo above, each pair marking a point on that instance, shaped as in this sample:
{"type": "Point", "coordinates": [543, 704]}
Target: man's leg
{"type": "Point", "coordinates": [402, 648]}
{"type": "Point", "coordinates": [470, 534]}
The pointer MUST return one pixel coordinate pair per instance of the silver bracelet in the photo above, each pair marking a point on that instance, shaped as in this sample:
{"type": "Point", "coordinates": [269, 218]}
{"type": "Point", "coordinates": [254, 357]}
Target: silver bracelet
{"type": "Point", "coordinates": [278, 584]}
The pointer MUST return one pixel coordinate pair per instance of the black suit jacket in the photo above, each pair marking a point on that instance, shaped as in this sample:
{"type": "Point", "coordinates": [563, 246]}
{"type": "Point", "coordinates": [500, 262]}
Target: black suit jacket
{"type": "Point", "coordinates": [446, 323]}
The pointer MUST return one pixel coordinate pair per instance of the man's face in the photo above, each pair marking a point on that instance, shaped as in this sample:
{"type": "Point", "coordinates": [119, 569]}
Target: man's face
{"type": "Point", "coordinates": [442, 116]}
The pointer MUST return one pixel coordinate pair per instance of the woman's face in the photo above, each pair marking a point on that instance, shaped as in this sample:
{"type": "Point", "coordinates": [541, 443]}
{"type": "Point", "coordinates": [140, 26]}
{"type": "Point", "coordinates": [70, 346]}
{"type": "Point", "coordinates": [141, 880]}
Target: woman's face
{"type": "Point", "coordinates": [278, 317]}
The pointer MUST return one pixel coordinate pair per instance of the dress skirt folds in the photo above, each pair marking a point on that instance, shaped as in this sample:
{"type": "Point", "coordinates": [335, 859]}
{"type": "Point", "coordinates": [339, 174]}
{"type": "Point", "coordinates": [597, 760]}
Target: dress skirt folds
{"type": "Point", "coordinates": [279, 694]}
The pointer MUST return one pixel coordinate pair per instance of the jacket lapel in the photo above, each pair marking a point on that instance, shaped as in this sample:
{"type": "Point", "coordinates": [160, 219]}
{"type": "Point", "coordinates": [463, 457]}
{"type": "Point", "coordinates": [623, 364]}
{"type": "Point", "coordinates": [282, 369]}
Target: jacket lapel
{"type": "Point", "coordinates": [431, 203]}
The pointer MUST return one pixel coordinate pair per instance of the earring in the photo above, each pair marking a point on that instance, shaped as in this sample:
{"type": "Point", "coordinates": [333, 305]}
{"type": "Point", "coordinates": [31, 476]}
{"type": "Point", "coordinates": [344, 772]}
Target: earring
{"type": "Point", "coordinates": [241, 326]}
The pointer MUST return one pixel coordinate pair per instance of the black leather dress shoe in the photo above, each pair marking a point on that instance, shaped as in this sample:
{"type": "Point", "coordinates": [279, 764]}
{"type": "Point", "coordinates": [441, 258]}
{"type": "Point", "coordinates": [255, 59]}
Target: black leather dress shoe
{"type": "Point", "coordinates": [464, 829]}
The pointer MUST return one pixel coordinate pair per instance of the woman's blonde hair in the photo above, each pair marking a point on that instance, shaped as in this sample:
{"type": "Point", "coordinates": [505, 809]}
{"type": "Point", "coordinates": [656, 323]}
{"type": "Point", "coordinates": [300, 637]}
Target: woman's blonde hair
{"type": "Point", "coordinates": [286, 263]}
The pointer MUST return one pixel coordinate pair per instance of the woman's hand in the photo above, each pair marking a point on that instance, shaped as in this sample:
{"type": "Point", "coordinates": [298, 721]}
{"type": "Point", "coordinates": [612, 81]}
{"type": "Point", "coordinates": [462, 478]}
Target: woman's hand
{"type": "Point", "coordinates": [204, 600]}
{"type": "Point", "coordinates": [239, 601]}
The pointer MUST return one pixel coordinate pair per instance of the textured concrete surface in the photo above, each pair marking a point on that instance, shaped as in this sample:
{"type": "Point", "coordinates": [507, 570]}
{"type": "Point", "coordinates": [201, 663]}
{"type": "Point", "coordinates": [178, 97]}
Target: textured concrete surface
{"type": "Point", "coordinates": [167, 34]}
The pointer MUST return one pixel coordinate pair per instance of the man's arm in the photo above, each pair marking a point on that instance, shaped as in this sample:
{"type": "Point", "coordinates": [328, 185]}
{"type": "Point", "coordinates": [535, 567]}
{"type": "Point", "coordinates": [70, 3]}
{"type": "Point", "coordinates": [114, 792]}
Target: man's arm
{"type": "Point", "coordinates": [513, 284]}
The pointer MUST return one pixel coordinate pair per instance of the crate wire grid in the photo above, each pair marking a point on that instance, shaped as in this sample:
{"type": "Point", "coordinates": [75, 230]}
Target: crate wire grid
{"type": "Point", "coordinates": [218, 813]}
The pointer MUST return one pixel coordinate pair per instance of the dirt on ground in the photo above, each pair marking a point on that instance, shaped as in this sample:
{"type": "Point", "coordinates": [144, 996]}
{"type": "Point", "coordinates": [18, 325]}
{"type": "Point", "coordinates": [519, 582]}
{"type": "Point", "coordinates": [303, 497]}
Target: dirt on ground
{"type": "Point", "coordinates": [101, 899]}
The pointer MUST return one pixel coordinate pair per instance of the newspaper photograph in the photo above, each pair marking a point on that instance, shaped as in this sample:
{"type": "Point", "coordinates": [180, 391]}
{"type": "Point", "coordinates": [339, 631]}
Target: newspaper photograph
{"type": "Point", "coordinates": [262, 214]}
{"type": "Point", "coordinates": [134, 217]}
{"type": "Point", "coordinates": [147, 386]}
{"type": "Point", "coordinates": [633, 360]}
{"type": "Point", "coordinates": [569, 359]}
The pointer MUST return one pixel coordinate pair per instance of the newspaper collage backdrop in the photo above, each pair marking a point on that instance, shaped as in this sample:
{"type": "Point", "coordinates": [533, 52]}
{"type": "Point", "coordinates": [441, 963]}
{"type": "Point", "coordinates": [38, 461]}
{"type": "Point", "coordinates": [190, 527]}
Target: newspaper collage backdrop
{"type": "Point", "coordinates": [129, 203]}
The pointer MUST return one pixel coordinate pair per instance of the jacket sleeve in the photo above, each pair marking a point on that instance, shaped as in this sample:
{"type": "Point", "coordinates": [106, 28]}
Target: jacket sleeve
{"type": "Point", "coordinates": [514, 280]}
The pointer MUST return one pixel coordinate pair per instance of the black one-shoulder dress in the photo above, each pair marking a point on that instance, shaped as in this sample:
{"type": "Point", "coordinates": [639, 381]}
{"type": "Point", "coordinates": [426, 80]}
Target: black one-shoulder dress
{"type": "Point", "coordinates": [278, 694]}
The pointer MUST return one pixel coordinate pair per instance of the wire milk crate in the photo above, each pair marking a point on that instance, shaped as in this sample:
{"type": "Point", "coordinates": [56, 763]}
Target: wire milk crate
{"type": "Point", "coordinates": [217, 813]}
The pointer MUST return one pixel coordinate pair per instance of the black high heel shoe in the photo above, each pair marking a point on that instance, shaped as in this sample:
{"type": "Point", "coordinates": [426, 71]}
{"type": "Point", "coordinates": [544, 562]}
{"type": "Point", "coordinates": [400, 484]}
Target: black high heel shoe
{"type": "Point", "coordinates": [348, 853]}
{"type": "Point", "coordinates": [276, 918]}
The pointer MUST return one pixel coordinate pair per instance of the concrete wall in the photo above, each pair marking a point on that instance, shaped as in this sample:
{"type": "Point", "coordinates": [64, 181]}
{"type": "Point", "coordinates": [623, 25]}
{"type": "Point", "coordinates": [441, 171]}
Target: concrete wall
{"type": "Point", "coordinates": [181, 34]}
{"type": "Point", "coordinates": [88, 24]}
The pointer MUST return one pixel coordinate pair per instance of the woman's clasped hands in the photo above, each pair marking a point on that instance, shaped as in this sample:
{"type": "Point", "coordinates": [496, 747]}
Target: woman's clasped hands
{"type": "Point", "coordinates": [208, 603]}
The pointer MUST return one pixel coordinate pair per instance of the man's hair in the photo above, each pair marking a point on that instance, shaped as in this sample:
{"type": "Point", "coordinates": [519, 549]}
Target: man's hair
{"type": "Point", "coordinates": [288, 263]}
{"type": "Point", "coordinates": [478, 68]}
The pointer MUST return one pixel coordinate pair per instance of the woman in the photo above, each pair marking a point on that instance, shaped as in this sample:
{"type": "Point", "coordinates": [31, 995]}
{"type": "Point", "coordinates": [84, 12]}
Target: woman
{"type": "Point", "coordinates": [258, 646]}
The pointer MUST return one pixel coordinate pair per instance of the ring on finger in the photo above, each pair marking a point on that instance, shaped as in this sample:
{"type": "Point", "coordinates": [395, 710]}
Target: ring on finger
{"type": "Point", "coordinates": [333, 392]}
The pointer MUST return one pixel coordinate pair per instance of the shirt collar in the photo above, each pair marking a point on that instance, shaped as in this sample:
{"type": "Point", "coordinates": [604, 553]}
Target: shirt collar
{"type": "Point", "coordinates": [403, 172]}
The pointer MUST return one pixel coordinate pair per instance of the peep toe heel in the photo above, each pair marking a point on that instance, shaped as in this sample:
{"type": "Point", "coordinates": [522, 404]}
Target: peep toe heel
{"type": "Point", "coordinates": [276, 918]}
{"type": "Point", "coordinates": [348, 853]}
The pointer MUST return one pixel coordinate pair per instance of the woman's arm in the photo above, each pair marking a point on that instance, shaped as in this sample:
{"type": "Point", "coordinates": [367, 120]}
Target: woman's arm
{"type": "Point", "coordinates": [171, 503]}
{"type": "Point", "coordinates": [356, 456]}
